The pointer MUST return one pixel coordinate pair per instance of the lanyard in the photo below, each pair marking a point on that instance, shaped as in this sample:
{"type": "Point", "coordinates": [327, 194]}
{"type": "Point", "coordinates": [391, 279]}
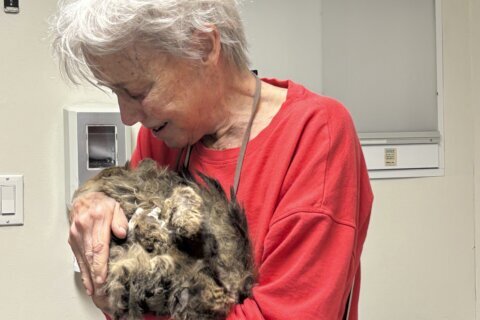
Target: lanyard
{"type": "Point", "coordinates": [246, 138]}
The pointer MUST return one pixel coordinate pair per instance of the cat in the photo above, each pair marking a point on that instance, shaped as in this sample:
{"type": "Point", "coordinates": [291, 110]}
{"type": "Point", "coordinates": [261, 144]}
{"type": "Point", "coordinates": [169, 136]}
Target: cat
{"type": "Point", "coordinates": [187, 254]}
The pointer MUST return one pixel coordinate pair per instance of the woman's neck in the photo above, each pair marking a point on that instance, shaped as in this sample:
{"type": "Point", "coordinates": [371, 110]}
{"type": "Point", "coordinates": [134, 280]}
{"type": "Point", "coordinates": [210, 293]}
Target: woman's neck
{"type": "Point", "coordinates": [237, 106]}
{"type": "Point", "coordinates": [234, 108]}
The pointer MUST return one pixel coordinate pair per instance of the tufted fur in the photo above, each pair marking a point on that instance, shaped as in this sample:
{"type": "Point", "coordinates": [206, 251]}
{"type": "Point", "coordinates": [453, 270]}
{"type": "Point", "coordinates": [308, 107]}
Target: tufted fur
{"type": "Point", "coordinates": [187, 253]}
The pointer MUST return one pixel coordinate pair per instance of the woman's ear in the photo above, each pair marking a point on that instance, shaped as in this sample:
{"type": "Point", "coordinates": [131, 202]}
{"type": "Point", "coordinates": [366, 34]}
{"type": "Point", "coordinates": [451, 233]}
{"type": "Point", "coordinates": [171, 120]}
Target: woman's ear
{"type": "Point", "coordinates": [210, 45]}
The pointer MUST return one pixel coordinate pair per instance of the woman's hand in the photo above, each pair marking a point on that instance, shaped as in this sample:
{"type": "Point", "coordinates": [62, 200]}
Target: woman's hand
{"type": "Point", "coordinates": [92, 217]}
{"type": "Point", "coordinates": [101, 301]}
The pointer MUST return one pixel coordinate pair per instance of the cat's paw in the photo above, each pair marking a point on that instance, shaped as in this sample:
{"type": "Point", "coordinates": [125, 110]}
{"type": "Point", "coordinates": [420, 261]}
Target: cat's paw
{"type": "Point", "coordinates": [184, 209]}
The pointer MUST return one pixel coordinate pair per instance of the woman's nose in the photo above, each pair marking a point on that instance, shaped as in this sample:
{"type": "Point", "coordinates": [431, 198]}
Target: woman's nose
{"type": "Point", "coordinates": [130, 111]}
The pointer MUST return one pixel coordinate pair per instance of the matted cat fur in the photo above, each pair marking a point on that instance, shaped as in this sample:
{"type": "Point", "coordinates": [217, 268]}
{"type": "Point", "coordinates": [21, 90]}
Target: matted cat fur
{"type": "Point", "coordinates": [187, 254]}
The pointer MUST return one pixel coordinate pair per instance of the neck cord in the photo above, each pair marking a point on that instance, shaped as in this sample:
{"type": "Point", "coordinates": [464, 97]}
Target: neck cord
{"type": "Point", "coordinates": [246, 138]}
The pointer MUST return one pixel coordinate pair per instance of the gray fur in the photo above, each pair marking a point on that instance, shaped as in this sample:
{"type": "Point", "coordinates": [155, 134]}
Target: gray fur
{"type": "Point", "coordinates": [187, 253]}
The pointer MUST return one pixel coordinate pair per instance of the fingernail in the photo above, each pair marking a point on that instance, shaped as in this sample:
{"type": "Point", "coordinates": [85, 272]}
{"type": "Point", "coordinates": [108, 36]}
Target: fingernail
{"type": "Point", "coordinates": [99, 279]}
{"type": "Point", "coordinates": [89, 292]}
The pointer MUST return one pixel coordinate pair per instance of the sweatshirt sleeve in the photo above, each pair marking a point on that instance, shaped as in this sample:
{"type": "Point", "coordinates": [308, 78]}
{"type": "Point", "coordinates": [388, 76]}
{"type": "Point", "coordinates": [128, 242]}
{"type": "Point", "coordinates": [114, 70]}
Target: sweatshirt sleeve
{"type": "Point", "coordinates": [307, 260]}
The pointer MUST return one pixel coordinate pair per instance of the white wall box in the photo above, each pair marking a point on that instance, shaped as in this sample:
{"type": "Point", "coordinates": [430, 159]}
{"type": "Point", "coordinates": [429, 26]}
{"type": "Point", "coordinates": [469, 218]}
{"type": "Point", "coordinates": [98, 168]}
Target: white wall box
{"type": "Point", "coordinates": [95, 138]}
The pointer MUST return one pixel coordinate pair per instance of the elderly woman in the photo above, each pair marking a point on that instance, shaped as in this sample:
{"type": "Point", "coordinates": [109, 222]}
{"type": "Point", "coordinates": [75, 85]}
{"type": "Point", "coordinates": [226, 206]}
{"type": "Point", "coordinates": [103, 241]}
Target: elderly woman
{"type": "Point", "coordinates": [179, 67]}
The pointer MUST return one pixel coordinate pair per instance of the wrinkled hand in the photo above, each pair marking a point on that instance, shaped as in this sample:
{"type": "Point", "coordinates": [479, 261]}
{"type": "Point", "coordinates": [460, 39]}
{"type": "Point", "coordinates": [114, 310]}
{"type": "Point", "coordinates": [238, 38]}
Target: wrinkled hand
{"type": "Point", "coordinates": [92, 217]}
{"type": "Point", "coordinates": [101, 301]}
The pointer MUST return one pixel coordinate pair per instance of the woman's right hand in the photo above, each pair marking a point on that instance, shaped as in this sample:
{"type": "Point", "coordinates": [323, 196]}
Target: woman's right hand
{"type": "Point", "coordinates": [92, 217]}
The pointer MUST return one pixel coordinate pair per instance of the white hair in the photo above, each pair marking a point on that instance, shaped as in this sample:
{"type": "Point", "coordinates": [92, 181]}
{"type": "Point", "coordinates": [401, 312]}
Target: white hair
{"type": "Point", "coordinates": [102, 27]}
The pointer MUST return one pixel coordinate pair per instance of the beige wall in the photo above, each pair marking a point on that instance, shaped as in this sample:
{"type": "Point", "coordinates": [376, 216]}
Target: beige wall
{"type": "Point", "coordinates": [419, 261]}
{"type": "Point", "coordinates": [36, 278]}
{"type": "Point", "coordinates": [419, 257]}
{"type": "Point", "coordinates": [475, 43]}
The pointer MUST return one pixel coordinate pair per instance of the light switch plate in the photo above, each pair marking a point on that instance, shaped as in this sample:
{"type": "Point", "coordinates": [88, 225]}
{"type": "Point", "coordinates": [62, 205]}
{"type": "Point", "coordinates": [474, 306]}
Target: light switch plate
{"type": "Point", "coordinates": [9, 183]}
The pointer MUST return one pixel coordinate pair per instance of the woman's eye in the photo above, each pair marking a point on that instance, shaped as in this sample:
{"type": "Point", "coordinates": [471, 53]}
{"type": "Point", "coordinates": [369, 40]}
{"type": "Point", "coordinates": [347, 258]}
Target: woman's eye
{"type": "Point", "coordinates": [136, 96]}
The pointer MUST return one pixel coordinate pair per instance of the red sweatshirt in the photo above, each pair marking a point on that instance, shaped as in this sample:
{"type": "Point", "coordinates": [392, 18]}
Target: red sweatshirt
{"type": "Point", "coordinates": [307, 196]}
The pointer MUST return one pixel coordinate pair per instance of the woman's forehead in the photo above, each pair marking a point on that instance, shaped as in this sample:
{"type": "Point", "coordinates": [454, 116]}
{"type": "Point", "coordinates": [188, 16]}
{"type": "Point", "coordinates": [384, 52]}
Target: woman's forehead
{"type": "Point", "coordinates": [117, 69]}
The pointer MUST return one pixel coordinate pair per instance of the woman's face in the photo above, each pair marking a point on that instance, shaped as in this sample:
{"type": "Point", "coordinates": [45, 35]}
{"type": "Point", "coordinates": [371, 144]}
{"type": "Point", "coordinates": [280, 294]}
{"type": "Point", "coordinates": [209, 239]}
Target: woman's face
{"type": "Point", "coordinates": [172, 97]}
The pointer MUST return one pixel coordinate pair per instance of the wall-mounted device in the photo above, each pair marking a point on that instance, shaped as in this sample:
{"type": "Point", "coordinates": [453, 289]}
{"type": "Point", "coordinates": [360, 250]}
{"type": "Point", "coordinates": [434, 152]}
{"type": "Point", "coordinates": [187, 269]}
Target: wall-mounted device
{"type": "Point", "coordinates": [95, 138]}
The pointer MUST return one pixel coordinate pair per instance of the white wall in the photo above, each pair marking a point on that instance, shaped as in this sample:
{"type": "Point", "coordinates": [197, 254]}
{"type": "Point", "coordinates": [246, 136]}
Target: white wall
{"type": "Point", "coordinates": [419, 256]}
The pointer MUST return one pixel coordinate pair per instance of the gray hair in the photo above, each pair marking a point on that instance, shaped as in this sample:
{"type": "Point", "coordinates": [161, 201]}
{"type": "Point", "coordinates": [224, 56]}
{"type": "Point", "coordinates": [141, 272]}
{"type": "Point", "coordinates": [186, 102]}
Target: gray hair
{"type": "Point", "coordinates": [101, 27]}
